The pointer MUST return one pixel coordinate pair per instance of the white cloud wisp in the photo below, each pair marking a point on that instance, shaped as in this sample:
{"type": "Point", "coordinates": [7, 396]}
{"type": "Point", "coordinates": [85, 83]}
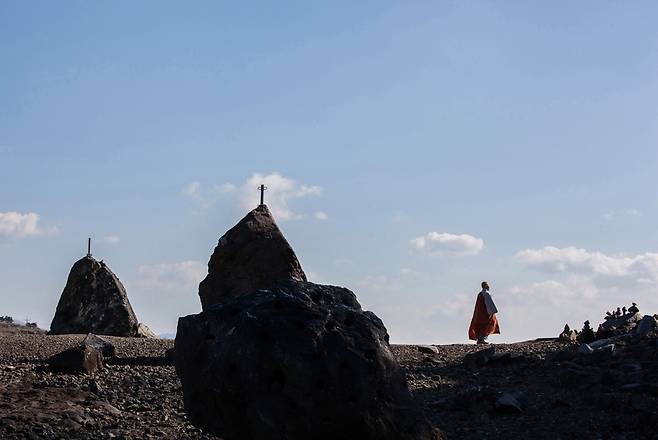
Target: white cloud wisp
{"type": "Point", "coordinates": [435, 243]}
{"type": "Point", "coordinates": [15, 224]}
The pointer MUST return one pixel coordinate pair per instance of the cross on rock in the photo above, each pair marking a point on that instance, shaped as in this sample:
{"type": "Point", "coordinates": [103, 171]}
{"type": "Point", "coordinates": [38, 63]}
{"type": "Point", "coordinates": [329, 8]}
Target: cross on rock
{"type": "Point", "coordinates": [262, 189]}
{"type": "Point", "coordinates": [89, 247]}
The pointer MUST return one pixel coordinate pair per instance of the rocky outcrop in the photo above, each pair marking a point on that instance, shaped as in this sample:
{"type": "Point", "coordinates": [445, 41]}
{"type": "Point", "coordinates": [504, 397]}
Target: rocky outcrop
{"type": "Point", "coordinates": [252, 255]}
{"type": "Point", "coordinates": [295, 361]}
{"type": "Point", "coordinates": [94, 301]}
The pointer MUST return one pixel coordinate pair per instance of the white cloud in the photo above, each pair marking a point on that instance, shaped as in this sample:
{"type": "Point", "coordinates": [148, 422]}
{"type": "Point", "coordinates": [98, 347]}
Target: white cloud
{"type": "Point", "coordinates": [558, 292]}
{"type": "Point", "coordinates": [15, 224]}
{"type": "Point", "coordinates": [631, 212]}
{"type": "Point", "coordinates": [182, 277]}
{"type": "Point", "coordinates": [280, 191]}
{"type": "Point", "coordinates": [582, 285]}
{"type": "Point", "coordinates": [206, 197]}
{"type": "Point", "coordinates": [572, 259]}
{"type": "Point", "coordinates": [111, 239]}
{"type": "Point", "coordinates": [435, 243]}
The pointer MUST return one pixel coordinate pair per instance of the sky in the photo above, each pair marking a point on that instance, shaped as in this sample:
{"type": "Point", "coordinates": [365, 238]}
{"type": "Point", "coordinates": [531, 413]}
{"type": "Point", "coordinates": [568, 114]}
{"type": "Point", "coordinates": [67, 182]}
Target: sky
{"type": "Point", "coordinates": [411, 151]}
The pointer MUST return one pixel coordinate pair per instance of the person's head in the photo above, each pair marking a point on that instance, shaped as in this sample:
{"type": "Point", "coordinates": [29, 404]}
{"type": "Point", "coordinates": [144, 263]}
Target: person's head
{"type": "Point", "coordinates": [485, 285]}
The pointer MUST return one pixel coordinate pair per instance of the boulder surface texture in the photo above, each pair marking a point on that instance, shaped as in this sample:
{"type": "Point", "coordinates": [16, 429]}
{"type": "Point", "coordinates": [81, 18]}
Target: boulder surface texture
{"type": "Point", "coordinates": [252, 255]}
{"type": "Point", "coordinates": [296, 361]}
{"type": "Point", "coordinates": [94, 301]}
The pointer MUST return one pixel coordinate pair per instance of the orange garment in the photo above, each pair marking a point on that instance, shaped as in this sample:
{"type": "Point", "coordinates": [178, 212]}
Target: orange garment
{"type": "Point", "coordinates": [483, 324]}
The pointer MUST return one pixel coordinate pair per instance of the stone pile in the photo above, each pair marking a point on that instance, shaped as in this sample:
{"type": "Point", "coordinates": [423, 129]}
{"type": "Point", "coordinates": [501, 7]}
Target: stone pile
{"type": "Point", "coordinates": [621, 356]}
{"type": "Point", "coordinates": [273, 356]}
{"type": "Point", "coordinates": [618, 324]}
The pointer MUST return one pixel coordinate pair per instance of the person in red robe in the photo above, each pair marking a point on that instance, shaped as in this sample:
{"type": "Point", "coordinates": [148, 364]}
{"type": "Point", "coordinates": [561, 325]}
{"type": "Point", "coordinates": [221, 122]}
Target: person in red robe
{"type": "Point", "coordinates": [484, 320]}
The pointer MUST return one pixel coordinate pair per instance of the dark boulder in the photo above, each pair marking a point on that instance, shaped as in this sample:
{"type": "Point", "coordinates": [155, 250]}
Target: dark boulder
{"type": "Point", "coordinates": [94, 301]}
{"type": "Point", "coordinates": [645, 325]}
{"type": "Point", "coordinates": [479, 358]}
{"type": "Point", "coordinates": [252, 255]}
{"type": "Point", "coordinates": [297, 361]}
{"type": "Point", "coordinates": [106, 348]}
{"type": "Point", "coordinates": [81, 359]}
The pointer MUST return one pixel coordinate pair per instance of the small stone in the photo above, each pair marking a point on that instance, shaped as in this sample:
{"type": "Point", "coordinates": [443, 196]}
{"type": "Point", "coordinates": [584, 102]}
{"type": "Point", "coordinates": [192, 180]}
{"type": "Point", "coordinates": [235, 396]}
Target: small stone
{"type": "Point", "coordinates": [427, 349]}
{"type": "Point", "coordinates": [509, 403]}
{"type": "Point", "coordinates": [106, 348]}
{"type": "Point", "coordinates": [80, 359]}
{"type": "Point", "coordinates": [585, 349]}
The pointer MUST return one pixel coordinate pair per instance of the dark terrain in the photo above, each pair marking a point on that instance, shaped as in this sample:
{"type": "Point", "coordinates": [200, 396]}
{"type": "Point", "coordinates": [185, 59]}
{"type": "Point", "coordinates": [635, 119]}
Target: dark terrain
{"type": "Point", "coordinates": [611, 395]}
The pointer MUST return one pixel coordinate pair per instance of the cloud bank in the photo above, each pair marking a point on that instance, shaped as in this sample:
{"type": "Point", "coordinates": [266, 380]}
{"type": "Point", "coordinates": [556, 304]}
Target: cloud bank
{"type": "Point", "coordinates": [435, 243]}
{"type": "Point", "coordinates": [642, 267]}
{"type": "Point", "coordinates": [15, 224]}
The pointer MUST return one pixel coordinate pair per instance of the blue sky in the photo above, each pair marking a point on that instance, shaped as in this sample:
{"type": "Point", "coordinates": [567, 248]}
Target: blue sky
{"type": "Point", "coordinates": [518, 139]}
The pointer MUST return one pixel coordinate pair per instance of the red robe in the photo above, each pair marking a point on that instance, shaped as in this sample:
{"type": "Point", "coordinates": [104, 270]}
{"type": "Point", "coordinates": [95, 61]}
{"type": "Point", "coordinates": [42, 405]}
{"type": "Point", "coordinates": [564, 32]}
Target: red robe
{"type": "Point", "coordinates": [483, 324]}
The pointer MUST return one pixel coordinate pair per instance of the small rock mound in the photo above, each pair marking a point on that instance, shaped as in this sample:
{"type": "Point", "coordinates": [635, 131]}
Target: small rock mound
{"type": "Point", "coordinates": [297, 361]}
{"type": "Point", "coordinates": [94, 301]}
{"type": "Point", "coordinates": [252, 255]}
{"type": "Point", "coordinates": [81, 359]}
{"type": "Point", "coordinates": [105, 347]}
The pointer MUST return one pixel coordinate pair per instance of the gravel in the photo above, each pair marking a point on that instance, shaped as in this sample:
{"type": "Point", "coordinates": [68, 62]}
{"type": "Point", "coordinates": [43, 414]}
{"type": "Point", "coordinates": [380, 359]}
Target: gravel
{"type": "Point", "coordinates": [612, 395]}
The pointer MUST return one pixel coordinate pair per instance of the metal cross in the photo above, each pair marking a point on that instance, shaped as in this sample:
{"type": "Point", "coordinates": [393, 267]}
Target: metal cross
{"type": "Point", "coordinates": [89, 247]}
{"type": "Point", "coordinates": [262, 189]}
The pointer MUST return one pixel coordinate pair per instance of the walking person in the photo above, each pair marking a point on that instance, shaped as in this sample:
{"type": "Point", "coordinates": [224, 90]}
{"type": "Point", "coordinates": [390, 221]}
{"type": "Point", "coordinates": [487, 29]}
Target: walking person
{"type": "Point", "coordinates": [484, 320]}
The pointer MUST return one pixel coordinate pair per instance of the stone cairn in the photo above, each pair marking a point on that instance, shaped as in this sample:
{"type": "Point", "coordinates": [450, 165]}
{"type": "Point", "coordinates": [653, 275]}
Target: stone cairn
{"type": "Point", "coordinates": [273, 356]}
{"type": "Point", "coordinates": [95, 301]}
{"type": "Point", "coordinates": [618, 324]}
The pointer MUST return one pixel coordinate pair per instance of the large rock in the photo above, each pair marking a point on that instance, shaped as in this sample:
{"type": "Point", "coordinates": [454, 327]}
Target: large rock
{"type": "Point", "coordinates": [297, 361]}
{"type": "Point", "coordinates": [84, 358]}
{"type": "Point", "coordinates": [252, 255]}
{"type": "Point", "coordinates": [625, 323]}
{"type": "Point", "coordinates": [645, 325]}
{"type": "Point", "coordinates": [94, 301]}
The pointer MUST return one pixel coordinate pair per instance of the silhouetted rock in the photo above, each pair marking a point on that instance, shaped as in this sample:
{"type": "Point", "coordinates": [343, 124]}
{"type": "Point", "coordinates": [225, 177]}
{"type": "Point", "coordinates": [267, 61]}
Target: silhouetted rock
{"type": "Point", "coordinates": [297, 361]}
{"type": "Point", "coordinates": [587, 334]}
{"type": "Point", "coordinates": [427, 349]}
{"type": "Point", "coordinates": [633, 309]}
{"type": "Point", "coordinates": [567, 334]}
{"type": "Point", "coordinates": [645, 325]}
{"type": "Point", "coordinates": [252, 255]}
{"type": "Point", "coordinates": [94, 301]}
{"type": "Point", "coordinates": [81, 359]}
{"type": "Point", "coordinates": [624, 323]}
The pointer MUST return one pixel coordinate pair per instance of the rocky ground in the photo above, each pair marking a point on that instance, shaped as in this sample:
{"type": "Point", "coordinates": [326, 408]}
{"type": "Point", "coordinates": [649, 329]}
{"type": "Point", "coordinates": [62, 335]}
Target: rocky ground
{"type": "Point", "coordinates": [539, 390]}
